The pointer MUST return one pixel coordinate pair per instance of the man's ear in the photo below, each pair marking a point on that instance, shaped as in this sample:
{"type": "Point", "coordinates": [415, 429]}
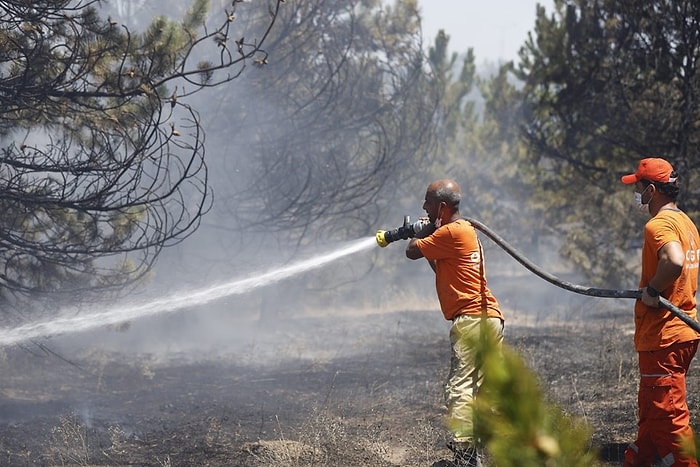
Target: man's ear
{"type": "Point", "coordinates": [448, 208]}
{"type": "Point", "coordinates": [650, 190]}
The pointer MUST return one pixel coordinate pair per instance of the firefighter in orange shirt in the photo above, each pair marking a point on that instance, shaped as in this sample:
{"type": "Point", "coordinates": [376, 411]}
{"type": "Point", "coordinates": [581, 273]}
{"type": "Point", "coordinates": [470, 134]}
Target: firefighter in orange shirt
{"type": "Point", "coordinates": [665, 345]}
{"type": "Point", "coordinates": [453, 251]}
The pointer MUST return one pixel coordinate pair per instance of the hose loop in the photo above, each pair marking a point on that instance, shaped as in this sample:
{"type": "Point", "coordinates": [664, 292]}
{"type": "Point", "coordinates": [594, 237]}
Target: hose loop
{"type": "Point", "coordinates": [590, 291]}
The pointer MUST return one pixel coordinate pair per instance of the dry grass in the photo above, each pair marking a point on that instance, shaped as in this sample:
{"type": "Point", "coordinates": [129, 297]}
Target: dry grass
{"type": "Point", "coordinates": [358, 390]}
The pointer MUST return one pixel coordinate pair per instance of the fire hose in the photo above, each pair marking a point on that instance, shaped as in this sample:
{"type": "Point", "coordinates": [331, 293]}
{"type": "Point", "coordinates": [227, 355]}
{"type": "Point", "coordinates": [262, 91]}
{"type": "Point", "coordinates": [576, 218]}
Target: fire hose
{"type": "Point", "coordinates": [410, 229]}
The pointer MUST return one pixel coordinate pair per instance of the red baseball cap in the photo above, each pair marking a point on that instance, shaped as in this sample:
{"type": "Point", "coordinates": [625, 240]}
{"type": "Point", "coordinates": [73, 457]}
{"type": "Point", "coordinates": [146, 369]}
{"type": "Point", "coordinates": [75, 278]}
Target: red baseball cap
{"type": "Point", "coordinates": [653, 169]}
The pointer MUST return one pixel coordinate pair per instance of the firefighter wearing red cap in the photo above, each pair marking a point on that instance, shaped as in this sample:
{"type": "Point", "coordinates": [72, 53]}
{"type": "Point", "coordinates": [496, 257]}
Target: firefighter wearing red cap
{"type": "Point", "coordinates": [665, 345]}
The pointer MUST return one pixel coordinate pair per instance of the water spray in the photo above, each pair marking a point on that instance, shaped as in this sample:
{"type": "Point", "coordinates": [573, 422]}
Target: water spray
{"type": "Point", "coordinates": [68, 321]}
{"type": "Point", "coordinates": [404, 232]}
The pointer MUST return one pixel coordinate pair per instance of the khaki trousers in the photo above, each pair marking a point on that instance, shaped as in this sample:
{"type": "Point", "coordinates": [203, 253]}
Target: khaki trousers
{"type": "Point", "coordinates": [465, 376]}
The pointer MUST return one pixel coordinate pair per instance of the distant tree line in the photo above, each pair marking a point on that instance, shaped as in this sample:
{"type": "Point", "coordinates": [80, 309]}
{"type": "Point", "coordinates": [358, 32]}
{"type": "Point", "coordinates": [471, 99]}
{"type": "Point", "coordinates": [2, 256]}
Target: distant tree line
{"type": "Point", "coordinates": [598, 86]}
{"type": "Point", "coordinates": [607, 83]}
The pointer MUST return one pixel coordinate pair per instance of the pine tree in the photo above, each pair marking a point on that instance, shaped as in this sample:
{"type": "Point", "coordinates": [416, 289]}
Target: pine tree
{"type": "Point", "coordinates": [608, 83]}
{"type": "Point", "coordinates": [101, 156]}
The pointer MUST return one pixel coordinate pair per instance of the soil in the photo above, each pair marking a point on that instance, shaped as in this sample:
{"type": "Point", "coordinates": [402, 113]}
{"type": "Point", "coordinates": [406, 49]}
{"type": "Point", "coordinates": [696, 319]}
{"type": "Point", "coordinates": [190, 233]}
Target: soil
{"type": "Point", "coordinates": [355, 389]}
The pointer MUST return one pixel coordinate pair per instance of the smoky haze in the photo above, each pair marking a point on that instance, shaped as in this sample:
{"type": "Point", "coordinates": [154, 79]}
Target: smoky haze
{"type": "Point", "coordinates": [279, 320]}
{"type": "Point", "coordinates": [252, 135]}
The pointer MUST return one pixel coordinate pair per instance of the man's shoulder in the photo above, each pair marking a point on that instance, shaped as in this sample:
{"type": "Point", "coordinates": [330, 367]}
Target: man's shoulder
{"type": "Point", "coordinates": [670, 217]}
{"type": "Point", "coordinates": [461, 230]}
{"type": "Point", "coordinates": [671, 223]}
{"type": "Point", "coordinates": [461, 225]}
{"type": "Point", "coordinates": [461, 222]}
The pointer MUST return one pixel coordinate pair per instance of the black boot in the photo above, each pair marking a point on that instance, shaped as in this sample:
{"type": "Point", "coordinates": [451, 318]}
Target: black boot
{"type": "Point", "coordinates": [465, 455]}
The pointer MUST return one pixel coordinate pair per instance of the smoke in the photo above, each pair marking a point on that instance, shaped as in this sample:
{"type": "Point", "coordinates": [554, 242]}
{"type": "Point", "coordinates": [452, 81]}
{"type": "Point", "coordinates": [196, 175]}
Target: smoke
{"type": "Point", "coordinates": [222, 250]}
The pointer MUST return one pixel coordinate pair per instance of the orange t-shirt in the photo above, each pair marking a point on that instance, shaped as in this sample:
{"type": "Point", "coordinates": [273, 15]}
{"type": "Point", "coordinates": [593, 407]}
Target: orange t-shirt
{"type": "Point", "coordinates": [657, 328]}
{"type": "Point", "coordinates": [460, 278]}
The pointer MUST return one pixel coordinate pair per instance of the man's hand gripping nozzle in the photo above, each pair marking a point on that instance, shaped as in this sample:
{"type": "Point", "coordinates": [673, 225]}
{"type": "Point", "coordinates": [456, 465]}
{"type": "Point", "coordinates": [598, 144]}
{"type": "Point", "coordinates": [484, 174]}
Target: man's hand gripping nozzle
{"type": "Point", "coordinates": [406, 231]}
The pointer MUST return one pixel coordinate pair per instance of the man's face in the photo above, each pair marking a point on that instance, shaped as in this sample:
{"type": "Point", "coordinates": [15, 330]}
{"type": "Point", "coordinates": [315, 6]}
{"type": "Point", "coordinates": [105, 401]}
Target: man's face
{"type": "Point", "coordinates": [431, 205]}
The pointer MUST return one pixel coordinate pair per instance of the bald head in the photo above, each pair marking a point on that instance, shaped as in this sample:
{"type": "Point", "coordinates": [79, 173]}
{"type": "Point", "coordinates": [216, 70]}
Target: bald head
{"type": "Point", "coordinates": [446, 191]}
{"type": "Point", "coordinates": [442, 201]}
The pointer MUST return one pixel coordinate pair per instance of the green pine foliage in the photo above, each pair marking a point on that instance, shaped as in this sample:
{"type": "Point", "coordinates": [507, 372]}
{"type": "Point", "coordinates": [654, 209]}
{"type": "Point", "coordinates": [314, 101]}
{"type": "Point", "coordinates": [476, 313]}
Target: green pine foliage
{"type": "Point", "coordinates": [607, 83]}
{"type": "Point", "coordinates": [514, 421]}
{"type": "Point", "coordinates": [598, 86]}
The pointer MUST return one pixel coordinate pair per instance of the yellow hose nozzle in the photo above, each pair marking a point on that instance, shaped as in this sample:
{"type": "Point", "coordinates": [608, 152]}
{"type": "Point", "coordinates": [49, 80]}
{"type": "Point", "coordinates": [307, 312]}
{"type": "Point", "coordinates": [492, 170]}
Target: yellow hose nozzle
{"type": "Point", "coordinates": [406, 231]}
{"type": "Point", "coordinates": [381, 238]}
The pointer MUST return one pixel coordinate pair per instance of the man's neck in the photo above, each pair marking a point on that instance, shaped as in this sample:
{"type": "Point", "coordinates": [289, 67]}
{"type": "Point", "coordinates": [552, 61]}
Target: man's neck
{"type": "Point", "coordinates": [670, 205]}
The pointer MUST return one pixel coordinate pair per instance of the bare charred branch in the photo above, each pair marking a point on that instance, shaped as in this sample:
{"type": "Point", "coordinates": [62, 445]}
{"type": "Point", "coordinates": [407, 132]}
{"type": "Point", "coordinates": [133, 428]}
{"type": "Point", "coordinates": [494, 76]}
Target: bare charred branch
{"type": "Point", "coordinates": [101, 157]}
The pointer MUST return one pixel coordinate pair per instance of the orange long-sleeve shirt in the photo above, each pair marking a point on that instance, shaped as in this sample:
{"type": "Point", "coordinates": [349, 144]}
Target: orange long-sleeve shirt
{"type": "Point", "coordinates": [460, 278]}
{"type": "Point", "coordinates": [656, 328]}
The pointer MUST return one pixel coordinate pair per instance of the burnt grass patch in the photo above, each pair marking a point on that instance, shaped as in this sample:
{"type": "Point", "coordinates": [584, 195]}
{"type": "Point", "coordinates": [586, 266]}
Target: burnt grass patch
{"type": "Point", "coordinates": [357, 390]}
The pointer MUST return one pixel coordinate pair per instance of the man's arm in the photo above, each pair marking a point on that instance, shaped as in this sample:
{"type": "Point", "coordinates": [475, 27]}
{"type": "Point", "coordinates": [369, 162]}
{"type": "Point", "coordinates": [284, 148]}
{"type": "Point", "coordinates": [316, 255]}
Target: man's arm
{"type": "Point", "coordinates": [671, 259]}
{"type": "Point", "coordinates": [413, 252]}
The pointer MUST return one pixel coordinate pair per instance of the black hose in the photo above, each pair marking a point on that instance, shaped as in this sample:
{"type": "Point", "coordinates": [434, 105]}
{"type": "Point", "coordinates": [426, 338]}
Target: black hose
{"type": "Point", "coordinates": [590, 291]}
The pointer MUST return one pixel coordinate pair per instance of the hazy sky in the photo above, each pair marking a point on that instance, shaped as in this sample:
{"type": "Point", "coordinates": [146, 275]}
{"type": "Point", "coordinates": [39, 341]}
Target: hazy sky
{"type": "Point", "coordinates": [495, 29]}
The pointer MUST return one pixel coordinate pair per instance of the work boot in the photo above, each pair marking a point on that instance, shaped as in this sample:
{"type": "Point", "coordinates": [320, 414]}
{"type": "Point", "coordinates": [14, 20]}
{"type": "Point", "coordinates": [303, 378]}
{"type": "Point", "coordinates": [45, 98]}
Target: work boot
{"type": "Point", "coordinates": [465, 455]}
